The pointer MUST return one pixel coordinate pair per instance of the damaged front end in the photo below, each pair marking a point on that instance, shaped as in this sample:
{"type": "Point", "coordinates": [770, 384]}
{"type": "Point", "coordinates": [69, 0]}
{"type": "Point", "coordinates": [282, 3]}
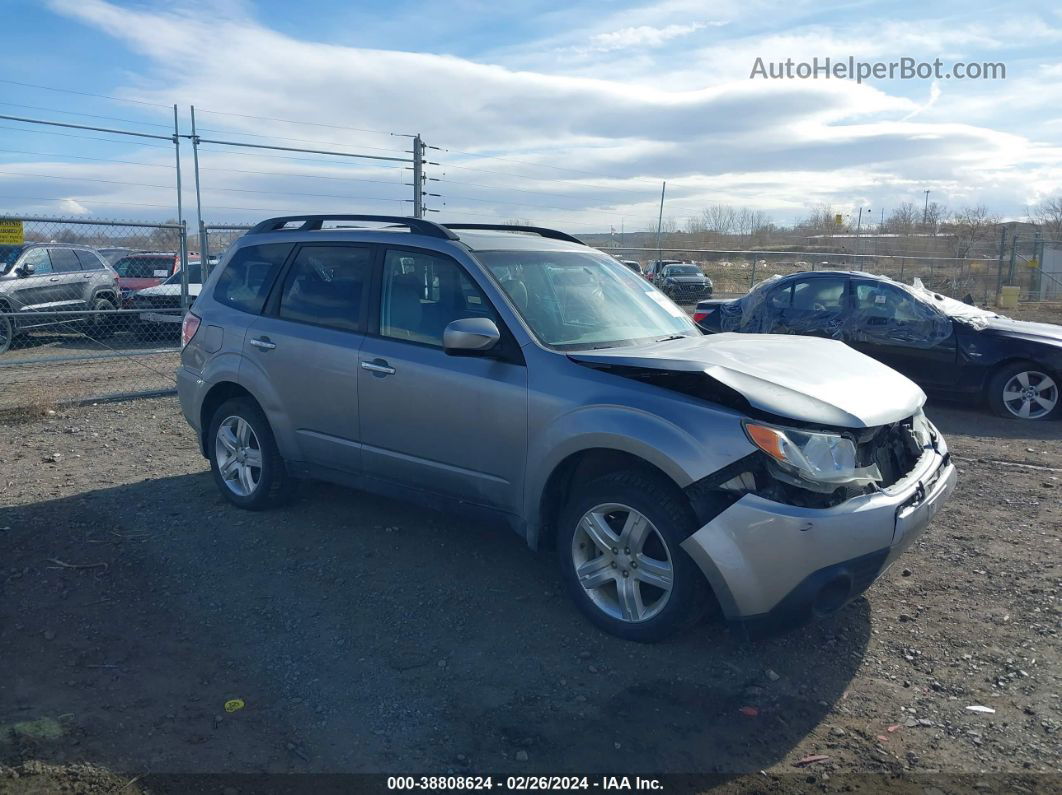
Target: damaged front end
{"type": "Point", "coordinates": [820, 467]}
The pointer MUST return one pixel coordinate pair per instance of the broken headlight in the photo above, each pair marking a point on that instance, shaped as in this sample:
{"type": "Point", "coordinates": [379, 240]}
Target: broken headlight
{"type": "Point", "coordinates": [813, 460]}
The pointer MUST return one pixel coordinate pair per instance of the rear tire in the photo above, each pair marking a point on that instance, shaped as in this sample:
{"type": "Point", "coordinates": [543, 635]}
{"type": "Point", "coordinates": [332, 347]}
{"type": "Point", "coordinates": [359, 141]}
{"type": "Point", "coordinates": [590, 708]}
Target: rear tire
{"type": "Point", "coordinates": [644, 587]}
{"type": "Point", "coordinates": [244, 459]}
{"type": "Point", "coordinates": [1024, 391]}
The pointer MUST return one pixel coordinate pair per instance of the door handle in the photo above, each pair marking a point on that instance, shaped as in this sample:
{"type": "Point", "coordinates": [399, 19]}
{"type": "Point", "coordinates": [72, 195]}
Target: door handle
{"type": "Point", "coordinates": [54, 279]}
{"type": "Point", "coordinates": [264, 343]}
{"type": "Point", "coordinates": [378, 366]}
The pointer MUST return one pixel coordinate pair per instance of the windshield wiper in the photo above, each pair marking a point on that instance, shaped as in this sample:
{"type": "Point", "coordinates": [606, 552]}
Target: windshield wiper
{"type": "Point", "coordinates": [672, 337]}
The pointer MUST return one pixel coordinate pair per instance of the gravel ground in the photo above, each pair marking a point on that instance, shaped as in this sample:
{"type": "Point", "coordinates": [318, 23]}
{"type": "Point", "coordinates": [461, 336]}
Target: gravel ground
{"type": "Point", "coordinates": [365, 635]}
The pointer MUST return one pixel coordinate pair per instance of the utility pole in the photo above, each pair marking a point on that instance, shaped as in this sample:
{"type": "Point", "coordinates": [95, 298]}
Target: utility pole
{"type": "Point", "coordinates": [660, 223]}
{"type": "Point", "coordinates": [418, 177]}
{"type": "Point", "coordinates": [859, 225]}
{"type": "Point", "coordinates": [925, 212]}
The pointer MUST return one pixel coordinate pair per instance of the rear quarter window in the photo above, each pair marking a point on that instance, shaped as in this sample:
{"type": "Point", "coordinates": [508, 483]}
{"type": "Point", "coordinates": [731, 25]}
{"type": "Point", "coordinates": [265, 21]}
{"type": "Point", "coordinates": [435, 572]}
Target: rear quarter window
{"type": "Point", "coordinates": [90, 260]}
{"type": "Point", "coordinates": [245, 281]}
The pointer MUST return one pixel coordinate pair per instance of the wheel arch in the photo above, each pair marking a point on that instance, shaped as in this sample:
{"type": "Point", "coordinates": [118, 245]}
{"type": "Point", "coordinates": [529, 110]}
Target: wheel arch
{"type": "Point", "coordinates": [581, 466]}
{"type": "Point", "coordinates": [215, 396]}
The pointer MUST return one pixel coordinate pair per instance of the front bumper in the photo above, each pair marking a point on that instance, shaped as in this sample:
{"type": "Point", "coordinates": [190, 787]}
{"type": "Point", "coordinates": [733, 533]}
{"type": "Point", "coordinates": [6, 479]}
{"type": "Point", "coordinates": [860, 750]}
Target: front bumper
{"type": "Point", "coordinates": [773, 565]}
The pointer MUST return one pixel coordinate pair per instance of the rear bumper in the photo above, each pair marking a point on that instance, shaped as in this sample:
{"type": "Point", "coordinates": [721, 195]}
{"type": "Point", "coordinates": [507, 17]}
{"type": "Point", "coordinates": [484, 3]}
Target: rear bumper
{"type": "Point", "coordinates": [773, 566]}
{"type": "Point", "coordinates": [190, 390]}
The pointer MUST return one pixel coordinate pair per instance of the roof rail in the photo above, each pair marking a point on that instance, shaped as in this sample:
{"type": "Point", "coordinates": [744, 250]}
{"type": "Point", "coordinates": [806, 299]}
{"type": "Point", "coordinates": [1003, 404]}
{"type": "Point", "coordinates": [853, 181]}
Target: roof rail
{"type": "Point", "coordinates": [313, 222]}
{"type": "Point", "coordinates": [541, 231]}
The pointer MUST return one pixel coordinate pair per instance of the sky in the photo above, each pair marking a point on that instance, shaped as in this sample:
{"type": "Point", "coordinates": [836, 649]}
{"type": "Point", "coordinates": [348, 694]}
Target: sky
{"type": "Point", "coordinates": [566, 115]}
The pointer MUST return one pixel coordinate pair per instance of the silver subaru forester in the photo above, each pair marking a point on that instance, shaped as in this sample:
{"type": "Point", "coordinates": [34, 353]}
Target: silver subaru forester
{"type": "Point", "coordinates": [515, 374]}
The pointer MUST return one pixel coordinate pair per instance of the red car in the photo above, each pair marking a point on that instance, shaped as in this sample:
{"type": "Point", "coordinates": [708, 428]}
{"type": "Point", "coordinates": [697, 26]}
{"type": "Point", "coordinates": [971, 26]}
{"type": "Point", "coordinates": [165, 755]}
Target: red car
{"type": "Point", "coordinates": [145, 269]}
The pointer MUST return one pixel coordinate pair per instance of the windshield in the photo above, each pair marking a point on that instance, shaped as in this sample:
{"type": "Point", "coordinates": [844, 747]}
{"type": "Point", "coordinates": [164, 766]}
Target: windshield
{"type": "Point", "coordinates": [8, 255]}
{"type": "Point", "coordinates": [195, 275]}
{"type": "Point", "coordinates": [682, 270]}
{"type": "Point", "coordinates": [576, 300]}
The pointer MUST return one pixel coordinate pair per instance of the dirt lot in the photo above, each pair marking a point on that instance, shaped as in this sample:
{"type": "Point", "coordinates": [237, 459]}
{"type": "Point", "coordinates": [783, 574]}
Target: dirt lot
{"type": "Point", "coordinates": [365, 635]}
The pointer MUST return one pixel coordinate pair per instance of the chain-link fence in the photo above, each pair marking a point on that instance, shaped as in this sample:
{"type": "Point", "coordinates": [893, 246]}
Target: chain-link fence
{"type": "Point", "coordinates": [215, 239]}
{"type": "Point", "coordinates": [90, 310]}
{"type": "Point", "coordinates": [734, 272]}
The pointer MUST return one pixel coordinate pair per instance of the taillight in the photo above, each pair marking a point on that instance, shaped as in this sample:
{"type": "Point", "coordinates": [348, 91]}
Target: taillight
{"type": "Point", "coordinates": [701, 314]}
{"type": "Point", "coordinates": [189, 327]}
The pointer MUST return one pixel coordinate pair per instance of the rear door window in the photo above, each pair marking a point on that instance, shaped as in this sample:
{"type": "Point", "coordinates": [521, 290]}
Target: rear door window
{"type": "Point", "coordinates": [245, 282]}
{"type": "Point", "coordinates": [819, 295]}
{"type": "Point", "coordinates": [64, 260]}
{"type": "Point", "coordinates": [327, 286]}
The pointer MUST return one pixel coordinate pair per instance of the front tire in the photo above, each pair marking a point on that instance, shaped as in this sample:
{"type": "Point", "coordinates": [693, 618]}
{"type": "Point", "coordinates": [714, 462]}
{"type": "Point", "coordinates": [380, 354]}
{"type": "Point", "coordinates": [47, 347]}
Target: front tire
{"type": "Point", "coordinates": [101, 324]}
{"type": "Point", "coordinates": [618, 542]}
{"type": "Point", "coordinates": [1024, 391]}
{"type": "Point", "coordinates": [244, 458]}
{"type": "Point", "coordinates": [7, 331]}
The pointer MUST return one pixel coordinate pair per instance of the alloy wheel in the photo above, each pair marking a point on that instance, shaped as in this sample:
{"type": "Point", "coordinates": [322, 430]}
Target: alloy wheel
{"type": "Point", "coordinates": [239, 456]}
{"type": "Point", "coordinates": [1030, 395]}
{"type": "Point", "coordinates": [622, 562]}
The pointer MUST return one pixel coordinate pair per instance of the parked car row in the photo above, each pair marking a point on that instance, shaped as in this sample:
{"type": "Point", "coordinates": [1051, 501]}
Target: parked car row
{"type": "Point", "coordinates": [518, 375]}
{"type": "Point", "coordinates": [56, 286]}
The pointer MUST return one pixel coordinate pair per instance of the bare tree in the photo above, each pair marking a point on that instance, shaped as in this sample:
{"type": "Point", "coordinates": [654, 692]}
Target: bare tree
{"type": "Point", "coordinates": [1049, 216]}
{"type": "Point", "coordinates": [971, 227]}
{"type": "Point", "coordinates": [903, 220]}
{"type": "Point", "coordinates": [719, 218]}
{"type": "Point", "coordinates": [822, 220]}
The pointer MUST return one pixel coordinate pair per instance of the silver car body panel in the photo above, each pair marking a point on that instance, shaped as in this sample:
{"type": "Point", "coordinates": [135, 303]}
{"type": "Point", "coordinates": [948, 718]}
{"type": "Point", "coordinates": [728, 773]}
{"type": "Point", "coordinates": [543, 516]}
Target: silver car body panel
{"type": "Point", "coordinates": [757, 551]}
{"type": "Point", "coordinates": [805, 378]}
{"type": "Point", "coordinates": [491, 433]}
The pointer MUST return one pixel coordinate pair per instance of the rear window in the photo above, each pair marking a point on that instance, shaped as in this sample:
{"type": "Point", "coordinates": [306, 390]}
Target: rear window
{"type": "Point", "coordinates": [142, 267]}
{"type": "Point", "coordinates": [244, 283]}
{"type": "Point", "coordinates": [90, 261]}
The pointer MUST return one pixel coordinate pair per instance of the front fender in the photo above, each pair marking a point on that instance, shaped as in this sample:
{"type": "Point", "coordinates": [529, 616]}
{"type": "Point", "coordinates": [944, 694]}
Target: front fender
{"type": "Point", "coordinates": [681, 455]}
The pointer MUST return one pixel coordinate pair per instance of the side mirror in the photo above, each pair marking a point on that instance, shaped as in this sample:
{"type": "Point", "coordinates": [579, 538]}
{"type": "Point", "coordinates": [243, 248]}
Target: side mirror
{"type": "Point", "coordinates": [26, 269]}
{"type": "Point", "coordinates": [470, 335]}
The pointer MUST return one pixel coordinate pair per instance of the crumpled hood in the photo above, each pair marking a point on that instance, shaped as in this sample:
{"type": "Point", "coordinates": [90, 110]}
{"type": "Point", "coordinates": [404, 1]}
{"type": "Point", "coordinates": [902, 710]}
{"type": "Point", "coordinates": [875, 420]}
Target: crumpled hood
{"type": "Point", "coordinates": [809, 379]}
{"type": "Point", "coordinates": [1025, 329]}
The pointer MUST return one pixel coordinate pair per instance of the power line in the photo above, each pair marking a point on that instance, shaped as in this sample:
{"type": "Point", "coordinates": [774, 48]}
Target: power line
{"type": "Point", "coordinates": [315, 195]}
{"type": "Point", "coordinates": [86, 94]}
{"type": "Point", "coordinates": [330, 163]}
{"type": "Point", "coordinates": [82, 137]}
{"type": "Point", "coordinates": [299, 140]}
{"type": "Point", "coordinates": [88, 115]}
{"type": "Point", "coordinates": [306, 176]}
{"type": "Point", "coordinates": [85, 157]}
{"type": "Point", "coordinates": [85, 179]}
{"type": "Point", "coordinates": [292, 121]}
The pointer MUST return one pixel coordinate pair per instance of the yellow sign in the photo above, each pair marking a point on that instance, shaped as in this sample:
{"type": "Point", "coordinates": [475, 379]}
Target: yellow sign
{"type": "Point", "coordinates": [838, 219]}
{"type": "Point", "coordinates": [1034, 263]}
{"type": "Point", "coordinates": [11, 232]}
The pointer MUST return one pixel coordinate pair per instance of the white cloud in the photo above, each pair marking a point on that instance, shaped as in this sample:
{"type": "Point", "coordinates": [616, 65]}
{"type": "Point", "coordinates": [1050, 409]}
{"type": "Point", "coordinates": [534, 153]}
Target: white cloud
{"type": "Point", "coordinates": [584, 148]}
{"type": "Point", "coordinates": [639, 36]}
{"type": "Point", "coordinates": [72, 207]}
